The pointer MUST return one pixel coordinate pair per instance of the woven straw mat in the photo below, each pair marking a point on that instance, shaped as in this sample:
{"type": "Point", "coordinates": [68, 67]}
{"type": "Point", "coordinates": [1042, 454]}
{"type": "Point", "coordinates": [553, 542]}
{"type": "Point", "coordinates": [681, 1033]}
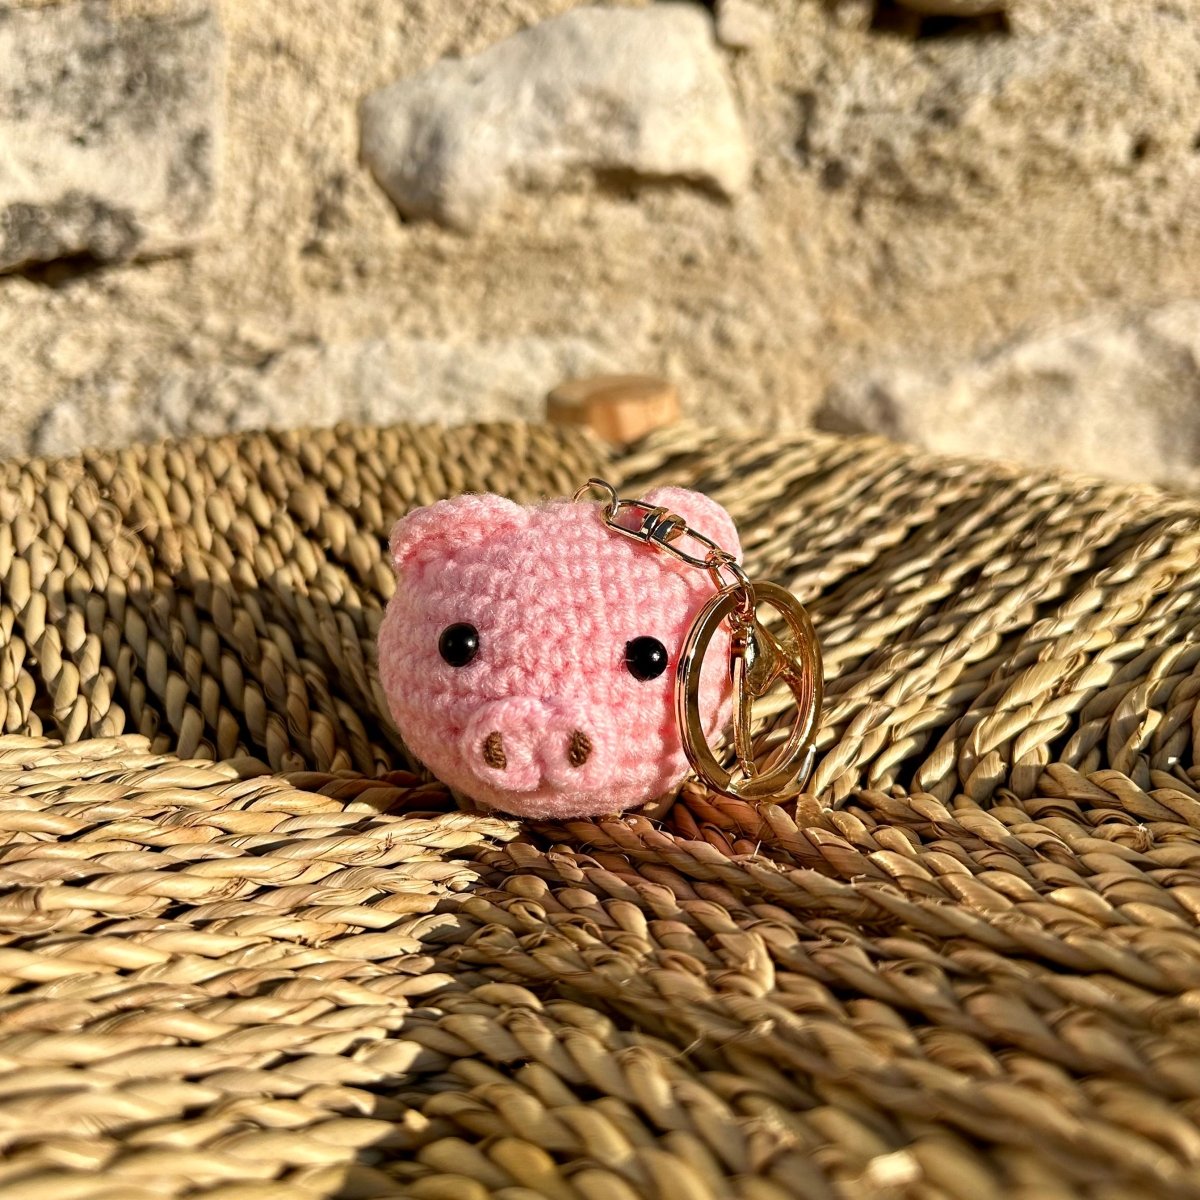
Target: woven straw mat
{"type": "Point", "coordinates": [246, 953]}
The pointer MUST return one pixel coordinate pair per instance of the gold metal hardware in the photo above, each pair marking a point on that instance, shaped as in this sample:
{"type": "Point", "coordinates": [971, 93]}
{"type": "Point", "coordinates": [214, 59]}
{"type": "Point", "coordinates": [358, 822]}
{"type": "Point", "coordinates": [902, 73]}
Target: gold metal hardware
{"type": "Point", "coordinates": [758, 658]}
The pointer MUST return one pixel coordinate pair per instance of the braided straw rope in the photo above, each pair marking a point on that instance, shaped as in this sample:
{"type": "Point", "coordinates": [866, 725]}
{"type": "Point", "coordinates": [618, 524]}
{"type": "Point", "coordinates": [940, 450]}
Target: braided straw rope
{"type": "Point", "coordinates": [245, 953]}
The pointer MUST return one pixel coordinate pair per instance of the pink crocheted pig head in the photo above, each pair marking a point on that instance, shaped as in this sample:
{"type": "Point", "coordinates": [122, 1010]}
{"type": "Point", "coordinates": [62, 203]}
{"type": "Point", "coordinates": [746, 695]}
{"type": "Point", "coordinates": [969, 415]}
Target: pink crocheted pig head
{"type": "Point", "coordinates": [528, 654]}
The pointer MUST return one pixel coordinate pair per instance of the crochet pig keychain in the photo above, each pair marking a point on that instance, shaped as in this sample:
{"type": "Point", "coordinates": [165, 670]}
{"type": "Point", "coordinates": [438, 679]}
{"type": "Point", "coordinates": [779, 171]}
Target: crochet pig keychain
{"type": "Point", "coordinates": [549, 661]}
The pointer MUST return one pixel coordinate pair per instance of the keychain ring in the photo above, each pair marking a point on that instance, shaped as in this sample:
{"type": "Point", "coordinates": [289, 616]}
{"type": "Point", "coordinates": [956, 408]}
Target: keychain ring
{"type": "Point", "coordinates": [799, 666]}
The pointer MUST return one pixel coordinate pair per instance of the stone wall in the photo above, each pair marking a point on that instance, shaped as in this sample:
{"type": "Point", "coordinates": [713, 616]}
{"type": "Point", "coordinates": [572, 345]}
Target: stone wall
{"type": "Point", "coordinates": [969, 223]}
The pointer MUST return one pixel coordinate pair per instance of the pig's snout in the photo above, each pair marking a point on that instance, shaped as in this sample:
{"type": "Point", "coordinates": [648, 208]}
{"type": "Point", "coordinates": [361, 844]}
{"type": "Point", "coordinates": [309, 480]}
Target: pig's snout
{"type": "Point", "coordinates": [520, 743]}
{"type": "Point", "coordinates": [579, 750]}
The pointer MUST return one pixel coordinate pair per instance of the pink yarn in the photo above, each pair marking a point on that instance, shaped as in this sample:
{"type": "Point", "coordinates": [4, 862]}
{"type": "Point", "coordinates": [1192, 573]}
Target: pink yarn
{"type": "Point", "coordinates": [555, 596]}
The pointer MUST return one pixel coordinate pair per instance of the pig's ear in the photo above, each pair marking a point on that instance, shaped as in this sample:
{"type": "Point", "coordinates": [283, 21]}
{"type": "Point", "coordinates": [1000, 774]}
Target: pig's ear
{"type": "Point", "coordinates": [426, 534]}
{"type": "Point", "coordinates": [701, 513]}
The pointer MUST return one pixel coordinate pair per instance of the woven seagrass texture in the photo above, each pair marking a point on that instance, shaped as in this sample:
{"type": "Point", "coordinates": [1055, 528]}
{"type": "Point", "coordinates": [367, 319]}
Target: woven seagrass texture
{"type": "Point", "coordinates": [223, 597]}
{"type": "Point", "coordinates": [966, 965]}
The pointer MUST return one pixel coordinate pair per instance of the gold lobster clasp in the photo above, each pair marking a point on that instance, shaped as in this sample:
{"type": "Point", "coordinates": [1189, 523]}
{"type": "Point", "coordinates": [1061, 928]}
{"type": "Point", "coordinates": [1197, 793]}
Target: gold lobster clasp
{"type": "Point", "coordinates": [656, 526]}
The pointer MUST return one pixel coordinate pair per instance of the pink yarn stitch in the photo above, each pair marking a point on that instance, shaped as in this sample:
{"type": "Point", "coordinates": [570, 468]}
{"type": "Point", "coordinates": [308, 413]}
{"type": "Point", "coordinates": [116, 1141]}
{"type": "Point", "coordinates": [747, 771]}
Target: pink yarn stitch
{"type": "Point", "coordinates": [555, 597]}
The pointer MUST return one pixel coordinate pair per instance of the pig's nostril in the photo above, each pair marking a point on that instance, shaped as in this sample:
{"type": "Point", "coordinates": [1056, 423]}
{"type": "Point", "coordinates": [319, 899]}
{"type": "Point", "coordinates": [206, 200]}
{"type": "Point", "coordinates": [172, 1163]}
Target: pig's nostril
{"type": "Point", "coordinates": [493, 752]}
{"type": "Point", "coordinates": [579, 749]}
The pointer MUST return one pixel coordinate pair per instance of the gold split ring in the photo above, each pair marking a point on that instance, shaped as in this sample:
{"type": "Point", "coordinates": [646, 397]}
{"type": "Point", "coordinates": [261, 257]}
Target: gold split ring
{"type": "Point", "coordinates": [758, 658]}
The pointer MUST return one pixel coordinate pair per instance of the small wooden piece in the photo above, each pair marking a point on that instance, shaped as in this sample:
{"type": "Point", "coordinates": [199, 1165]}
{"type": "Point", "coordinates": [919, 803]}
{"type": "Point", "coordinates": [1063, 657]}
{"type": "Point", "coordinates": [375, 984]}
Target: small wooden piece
{"type": "Point", "coordinates": [618, 408]}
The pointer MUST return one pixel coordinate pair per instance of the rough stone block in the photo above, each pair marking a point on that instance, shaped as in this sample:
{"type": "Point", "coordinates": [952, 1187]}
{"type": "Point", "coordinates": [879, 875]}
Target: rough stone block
{"type": "Point", "coordinates": [1115, 394]}
{"type": "Point", "coordinates": [109, 130]}
{"type": "Point", "coordinates": [618, 92]}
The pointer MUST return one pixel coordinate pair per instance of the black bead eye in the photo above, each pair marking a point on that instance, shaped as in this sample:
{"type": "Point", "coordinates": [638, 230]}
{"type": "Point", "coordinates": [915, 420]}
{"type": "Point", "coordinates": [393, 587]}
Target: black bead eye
{"type": "Point", "coordinates": [459, 644]}
{"type": "Point", "coordinates": [645, 658]}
